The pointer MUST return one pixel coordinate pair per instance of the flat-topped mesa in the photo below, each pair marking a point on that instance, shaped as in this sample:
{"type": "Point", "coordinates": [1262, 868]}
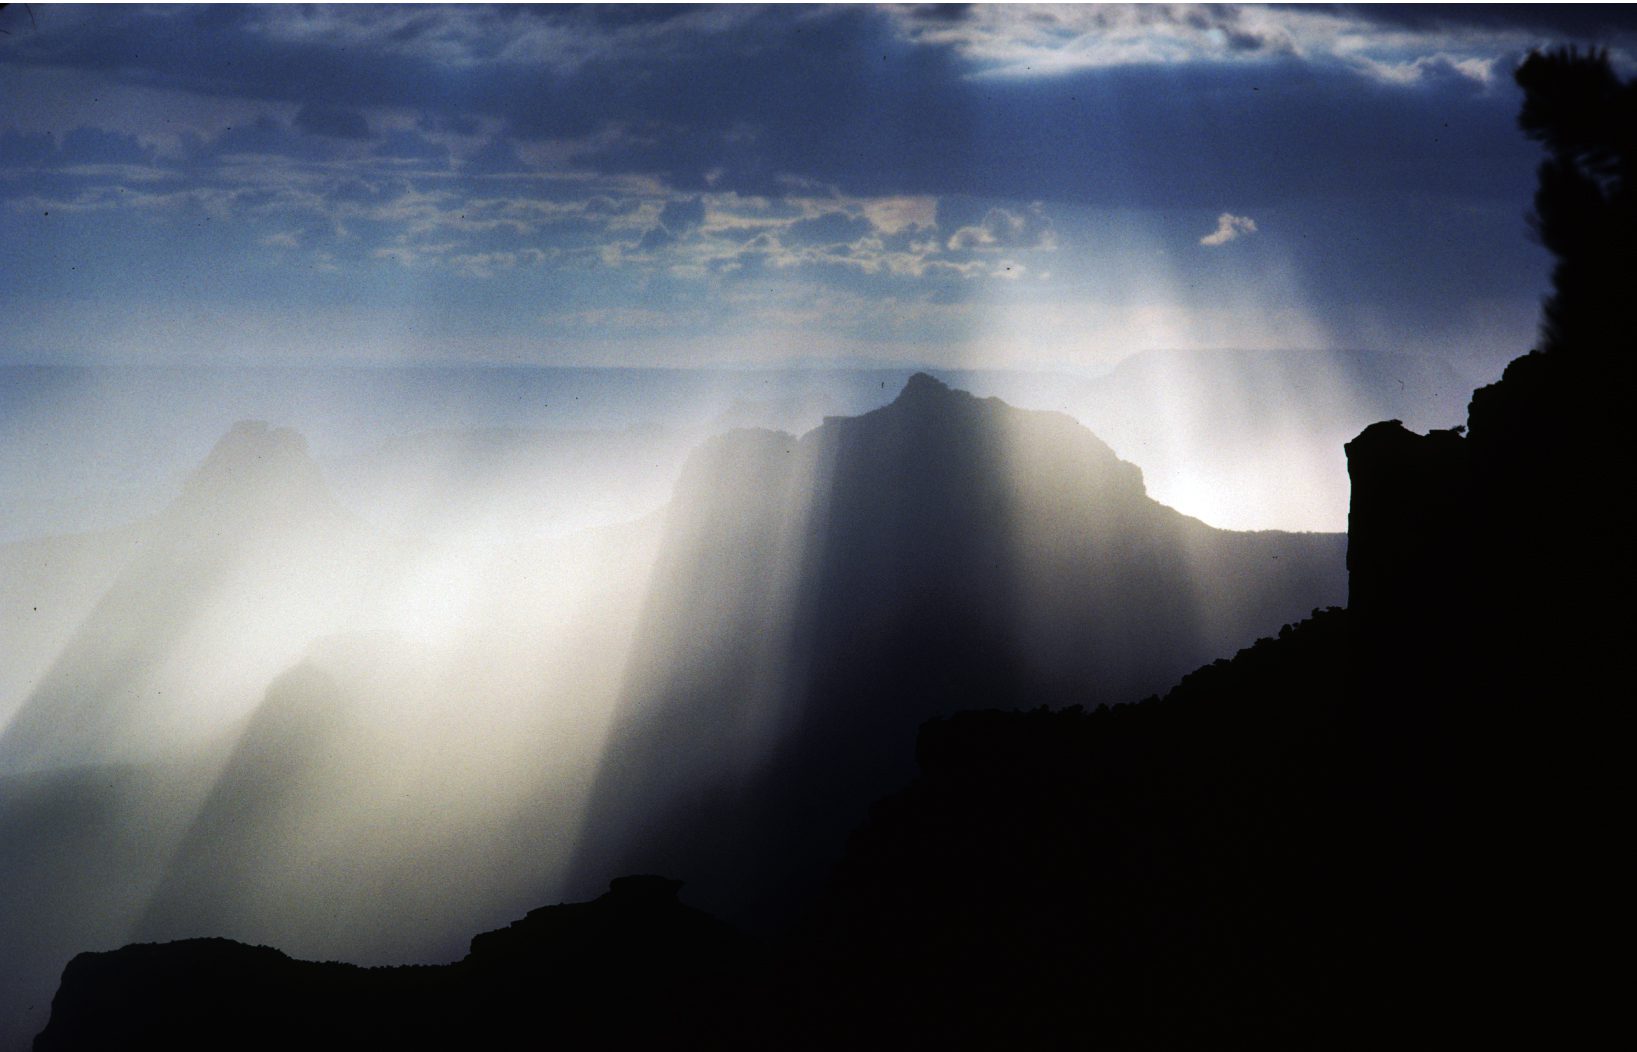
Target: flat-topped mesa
{"type": "Point", "coordinates": [1408, 514]}
{"type": "Point", "coordinates": [579, 969]}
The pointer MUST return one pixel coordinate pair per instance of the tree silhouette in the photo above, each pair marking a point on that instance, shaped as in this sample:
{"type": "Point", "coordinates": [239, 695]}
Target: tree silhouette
{"type": "Point", "coordinates": [1577, 106]}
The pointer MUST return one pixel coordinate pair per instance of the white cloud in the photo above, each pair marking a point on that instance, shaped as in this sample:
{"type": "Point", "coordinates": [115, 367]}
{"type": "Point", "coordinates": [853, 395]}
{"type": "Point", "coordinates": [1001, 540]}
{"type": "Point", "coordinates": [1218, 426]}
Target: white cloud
{"type": "Point", "coordinates": [1026, 40]}
{"type": "Point", "coordinates": [1000, 228]}
{"type": "Point", "coordinates": [557, 40]}
{"type": "Point", "coordinates": [1032, 40]}
{"type": "Point", "coordinates": [1228, 227]}
{"type": "Point", "coordinates": [893, 214]}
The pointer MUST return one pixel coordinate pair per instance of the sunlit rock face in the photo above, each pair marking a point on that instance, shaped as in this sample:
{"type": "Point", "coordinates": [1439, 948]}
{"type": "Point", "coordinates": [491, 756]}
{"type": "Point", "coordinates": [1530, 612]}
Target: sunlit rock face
{"type": "Point", "coordinates": [817, 598]}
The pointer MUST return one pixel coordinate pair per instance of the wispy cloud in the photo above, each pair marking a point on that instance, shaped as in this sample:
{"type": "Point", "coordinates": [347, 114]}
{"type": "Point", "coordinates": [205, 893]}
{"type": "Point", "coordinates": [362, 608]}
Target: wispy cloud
{"type": "Point", "coordinates": [1229, 227]}
{"type": "Point", "coordinates": [1029, 40]}
{"type": "Point", "coordinates": [1007, 229]}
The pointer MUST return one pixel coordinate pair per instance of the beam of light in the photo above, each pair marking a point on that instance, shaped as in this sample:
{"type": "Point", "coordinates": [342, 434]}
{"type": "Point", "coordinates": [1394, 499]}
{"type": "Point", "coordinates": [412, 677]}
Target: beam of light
{"type": "Point", "coordinates": [713, 684]}
{"type": "Point", "coordinates": [423, 767]}
{"type": "Point", "coordinates": [1233, 406]}
{"type": "Point", "coordinates": [442, 779]}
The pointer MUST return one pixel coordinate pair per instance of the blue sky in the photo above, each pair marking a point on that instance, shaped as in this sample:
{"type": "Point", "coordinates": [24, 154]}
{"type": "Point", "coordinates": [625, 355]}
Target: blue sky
{"type": "Point", "coordinates": [1006, 185]}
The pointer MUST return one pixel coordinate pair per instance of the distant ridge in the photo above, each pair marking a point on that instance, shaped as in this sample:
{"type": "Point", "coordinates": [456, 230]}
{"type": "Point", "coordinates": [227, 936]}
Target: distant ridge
{"type": "Point", "coordinates": [257, 501]}
{"type": "Point", "coordinates": [257, 469]}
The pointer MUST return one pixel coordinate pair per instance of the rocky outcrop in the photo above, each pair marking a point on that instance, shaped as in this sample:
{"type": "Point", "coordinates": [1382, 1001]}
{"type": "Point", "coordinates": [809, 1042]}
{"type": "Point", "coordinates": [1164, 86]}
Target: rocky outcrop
{"type": "Point", "coordinates": [632, 968]}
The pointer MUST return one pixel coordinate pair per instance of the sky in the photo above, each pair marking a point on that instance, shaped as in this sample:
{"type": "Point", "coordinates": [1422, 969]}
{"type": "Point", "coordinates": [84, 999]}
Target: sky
{"type": "Point", "coordinates": [990, 186]}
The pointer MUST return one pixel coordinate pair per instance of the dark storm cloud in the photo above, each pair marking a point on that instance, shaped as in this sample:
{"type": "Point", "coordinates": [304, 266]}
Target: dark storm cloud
{"type": "Point", "coordinates": [265, 135]}
{"type": "Point", "coordinates": [866, 150]}
{"type": "Point", "coordinates": [838, 96]}
{"type": "Point", "coordinates": [336, 122]}
{"type": "Point", "coordinates": [76, 147]}
{"type": "Point", "coordinates": [19, 149]}
{"type": "Point", "coordinates": [409, 146]}
{"type": "Point", "coordinates": [1605, 24]}
{"type": "Point", "coordinates": [456, 123]}
{"type": "Point", "coordinates": [1130, 136]}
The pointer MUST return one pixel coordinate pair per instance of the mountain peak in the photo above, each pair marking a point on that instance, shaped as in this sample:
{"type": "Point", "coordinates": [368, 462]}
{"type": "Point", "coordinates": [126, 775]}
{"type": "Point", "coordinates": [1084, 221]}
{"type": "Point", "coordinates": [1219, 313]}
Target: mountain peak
{"type": "Point", "coordinates": [257, 466]}
{"type": "Point", "coordinates": [258, 439]}
{"type": "Point", "coordinates": [923, 385]}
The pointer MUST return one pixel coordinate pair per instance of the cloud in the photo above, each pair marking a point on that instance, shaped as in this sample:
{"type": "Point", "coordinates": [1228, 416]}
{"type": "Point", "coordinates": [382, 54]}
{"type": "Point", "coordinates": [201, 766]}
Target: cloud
{"type": "Point", "coordinates": [677, 218]}
{"type": "Point", "coordinates": [336, 122]}
{"type": "Point", "coordinates": [404, 145]}
{"type": "Point", "coordinates": [1228, 227]}
{"type": "Point", "coordinates": [1034, 40]}
{"type": "Point", "coordinates": [1390, 43]}
{"type": "Point", "coordinates": [1005, 229]}
{"type": "Point", "coordinates": [682, 214]}
{"type": "Point", "coordinates": [831, 228]}
{"type": "Point", "coordinates": [887, 154]}
{"type": "Point", "coordinates": [718, 100]}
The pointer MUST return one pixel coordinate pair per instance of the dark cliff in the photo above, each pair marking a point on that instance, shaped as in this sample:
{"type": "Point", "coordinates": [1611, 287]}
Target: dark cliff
{"type": "Point", "coordinates": [631, 968]}
{"type": "Point", "coordinates": [1392, 824]}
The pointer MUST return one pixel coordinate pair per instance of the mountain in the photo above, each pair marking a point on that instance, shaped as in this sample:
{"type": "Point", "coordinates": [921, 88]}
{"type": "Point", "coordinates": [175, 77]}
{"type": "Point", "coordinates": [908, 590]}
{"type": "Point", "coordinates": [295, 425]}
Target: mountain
{"type": "Point", "coordinates": [1394, 823]}
{"type": "Point", "coordinates": [81, 850]}
{"type": "Point", "coordinates": [1383, 822]}
{"type": "Point", "coordinates": [385, 776]}
{"type": "Point", "coordinates": [221, 592]}
{"type": "Point", "coordinates": [816, 599]}
{"type": "Point", "coordinates": [252, 714]}
{"type": "Point", "coordinates": [88, 618]}
{"type": "Point", "coordinates": [1244, 438]}
{"type": "Point", "coordinates": [48, 586]}
{"type": "Point", "coordinates": [1398, 823]}
{"type": "Point", "coordinates": [632, 968]}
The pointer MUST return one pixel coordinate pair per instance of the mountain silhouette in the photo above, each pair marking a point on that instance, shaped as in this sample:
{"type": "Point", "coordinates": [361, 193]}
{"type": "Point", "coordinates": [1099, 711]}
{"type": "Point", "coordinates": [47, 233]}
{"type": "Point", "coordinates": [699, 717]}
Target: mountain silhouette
{"type": "Point", "coordinates": [218, 736]}
{"type": "Point", "coordinates": [635, 966]}
{"type": "Point", "coordinates": [1392, 824]}
{"type": "Point", "coordinates": [1389, 823]}
{"type": "Point", "coordinates": [818, 598]}
{"type": "Point", "coordinates": [253, 532]}
{"type": "Point", "coordinates": [256, 472]}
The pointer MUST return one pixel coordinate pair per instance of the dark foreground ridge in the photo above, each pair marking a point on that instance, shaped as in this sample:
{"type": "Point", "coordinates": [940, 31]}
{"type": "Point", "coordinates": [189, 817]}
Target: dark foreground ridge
{"type": "Point", "coordinates": [632, 968]}
{"type": "Point", "coordinates": [1394, 825]}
